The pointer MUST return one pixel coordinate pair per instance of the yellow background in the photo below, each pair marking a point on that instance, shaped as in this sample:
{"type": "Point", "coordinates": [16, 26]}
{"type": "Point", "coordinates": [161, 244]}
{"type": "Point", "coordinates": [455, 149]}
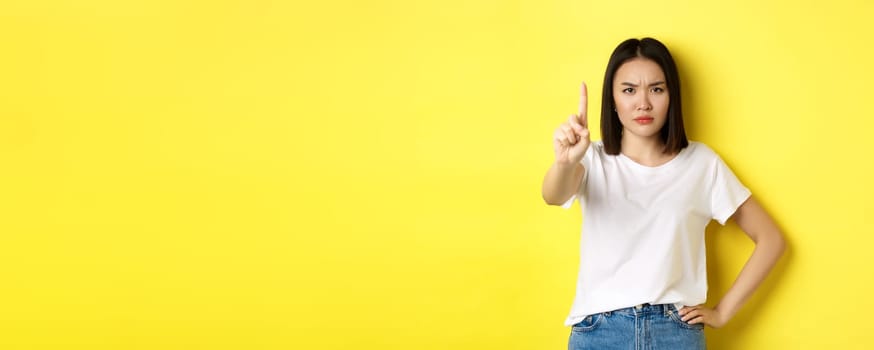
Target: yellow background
{"type": "Point", "coordinates": [334, 175]}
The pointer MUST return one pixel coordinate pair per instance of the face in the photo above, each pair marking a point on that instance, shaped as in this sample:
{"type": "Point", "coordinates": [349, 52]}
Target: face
{"type": "Point", "coordinates": [640, 93]}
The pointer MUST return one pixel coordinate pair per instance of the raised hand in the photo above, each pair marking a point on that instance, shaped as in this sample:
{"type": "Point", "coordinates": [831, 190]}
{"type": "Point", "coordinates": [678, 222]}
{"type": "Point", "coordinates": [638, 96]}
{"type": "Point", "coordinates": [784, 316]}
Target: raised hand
{"type": "Point", "coordinates": [571, 139]}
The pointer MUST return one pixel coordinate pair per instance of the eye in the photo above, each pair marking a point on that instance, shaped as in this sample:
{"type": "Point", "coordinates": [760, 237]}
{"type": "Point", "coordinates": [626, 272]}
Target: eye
{"type": "Point", "coordinates": [658, 90]}
{"type": "Point", "coordinates": [628, 90]}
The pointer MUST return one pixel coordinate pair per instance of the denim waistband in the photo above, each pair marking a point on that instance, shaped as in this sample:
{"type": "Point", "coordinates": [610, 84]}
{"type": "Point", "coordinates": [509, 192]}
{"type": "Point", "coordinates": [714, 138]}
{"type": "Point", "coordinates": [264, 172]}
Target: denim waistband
{"type": "Point", "coordinates": [645, 309]}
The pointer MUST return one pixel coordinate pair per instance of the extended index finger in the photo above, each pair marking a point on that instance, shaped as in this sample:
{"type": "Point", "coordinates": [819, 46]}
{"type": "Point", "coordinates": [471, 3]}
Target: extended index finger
{"type": "Point", "coordinates": [584, 104]}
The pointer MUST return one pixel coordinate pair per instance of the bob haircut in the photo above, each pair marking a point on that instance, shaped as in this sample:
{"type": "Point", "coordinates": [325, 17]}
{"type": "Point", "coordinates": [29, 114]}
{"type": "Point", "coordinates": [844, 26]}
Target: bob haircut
{"type": "Point", "coordinates": [672, 134]}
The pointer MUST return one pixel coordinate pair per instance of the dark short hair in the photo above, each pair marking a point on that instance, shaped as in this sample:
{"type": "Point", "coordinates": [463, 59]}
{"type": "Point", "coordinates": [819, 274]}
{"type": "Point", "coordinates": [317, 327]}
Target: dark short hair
{"type": "Point", "coordinates": [673, 134]}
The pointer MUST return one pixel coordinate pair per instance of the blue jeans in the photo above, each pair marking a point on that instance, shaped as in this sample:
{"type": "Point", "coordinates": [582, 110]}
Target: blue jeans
{"type": "Point", "coordinates": [643, 327]}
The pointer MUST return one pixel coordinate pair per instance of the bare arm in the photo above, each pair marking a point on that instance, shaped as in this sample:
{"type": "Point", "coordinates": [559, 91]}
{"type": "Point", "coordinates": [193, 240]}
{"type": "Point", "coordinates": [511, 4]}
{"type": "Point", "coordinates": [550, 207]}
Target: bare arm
{"type": "Point", "coordinates": [570, 141]}
{"type": "Point", "coordinates": [770, 245]}
{"type": "Point", "coordinates": [561, 182]}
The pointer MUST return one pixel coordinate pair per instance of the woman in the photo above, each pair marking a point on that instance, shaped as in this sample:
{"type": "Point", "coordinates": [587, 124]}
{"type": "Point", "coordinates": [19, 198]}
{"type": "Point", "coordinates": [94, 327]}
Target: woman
{"type": "Point", "coordinates": [647, 194]}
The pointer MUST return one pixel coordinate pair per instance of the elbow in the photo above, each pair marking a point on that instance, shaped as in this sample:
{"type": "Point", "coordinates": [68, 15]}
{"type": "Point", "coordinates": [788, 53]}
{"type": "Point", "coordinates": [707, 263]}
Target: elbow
{"type": "Point", "coordinates": [777, 244]}
{"type": "Point", "coordinates": [781, 245]}
{"type": "Point", "coordinates": [552, 199]}
{"type": "Point", "coordinates": [549, 201]}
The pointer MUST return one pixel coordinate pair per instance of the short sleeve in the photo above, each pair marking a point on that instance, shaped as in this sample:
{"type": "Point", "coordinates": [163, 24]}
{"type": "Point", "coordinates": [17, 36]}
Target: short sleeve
{"type": "Point", "coordinates": [587, 163]}
{"type": "Point", "coordinates": [728, 192]}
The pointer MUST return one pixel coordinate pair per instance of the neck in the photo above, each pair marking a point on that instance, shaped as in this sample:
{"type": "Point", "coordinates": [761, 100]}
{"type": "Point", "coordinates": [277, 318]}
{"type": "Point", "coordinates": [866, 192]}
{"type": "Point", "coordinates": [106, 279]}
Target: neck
{"type": "Point", "coordinates": [644, 150]}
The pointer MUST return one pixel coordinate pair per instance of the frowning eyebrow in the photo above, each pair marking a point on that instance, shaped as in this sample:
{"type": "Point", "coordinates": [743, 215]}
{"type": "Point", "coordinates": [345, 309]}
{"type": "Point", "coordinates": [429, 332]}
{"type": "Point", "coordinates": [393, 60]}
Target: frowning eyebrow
{"type": "Point", "coordinates": [635, 85]}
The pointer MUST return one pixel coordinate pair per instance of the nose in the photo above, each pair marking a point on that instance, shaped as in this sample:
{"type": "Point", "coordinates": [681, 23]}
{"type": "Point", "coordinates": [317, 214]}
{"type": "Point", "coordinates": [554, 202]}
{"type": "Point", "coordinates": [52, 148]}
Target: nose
{"type": "Point", "coordinates": [644, 104]}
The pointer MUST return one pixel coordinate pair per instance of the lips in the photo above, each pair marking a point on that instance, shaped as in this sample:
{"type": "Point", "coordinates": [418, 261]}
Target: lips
{"type": "Point", "coordinates": [644, 119]}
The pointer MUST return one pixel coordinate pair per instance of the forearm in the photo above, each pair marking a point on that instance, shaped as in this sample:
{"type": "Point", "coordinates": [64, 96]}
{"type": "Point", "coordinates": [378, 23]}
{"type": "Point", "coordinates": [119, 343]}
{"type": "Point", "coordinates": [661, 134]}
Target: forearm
{"type": "Point", "coordinates": [768, 250]}
{"type": "Point", "coordinates": [561, 182]}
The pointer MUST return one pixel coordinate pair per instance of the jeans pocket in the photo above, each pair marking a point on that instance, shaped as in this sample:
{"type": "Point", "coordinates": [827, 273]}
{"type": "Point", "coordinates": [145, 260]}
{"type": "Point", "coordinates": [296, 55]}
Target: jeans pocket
{"type": "Point", "coordinates": [674, 315]}
{"type": "Point", "coordinates": [588, 324]}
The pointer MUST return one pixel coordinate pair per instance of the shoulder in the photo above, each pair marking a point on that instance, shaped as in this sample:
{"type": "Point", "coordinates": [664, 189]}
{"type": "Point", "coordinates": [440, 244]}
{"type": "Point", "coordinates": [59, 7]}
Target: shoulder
{"type": "Point", "coordinates": [701, 151]}
{"type": "Point", "coordinates": [597, 146]}
{"type": "Point", "coordinates": [596, 149]}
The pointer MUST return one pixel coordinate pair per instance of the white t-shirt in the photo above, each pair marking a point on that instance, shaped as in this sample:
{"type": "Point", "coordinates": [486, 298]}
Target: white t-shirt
{"type": "Point", "coordinates": [643, 228]}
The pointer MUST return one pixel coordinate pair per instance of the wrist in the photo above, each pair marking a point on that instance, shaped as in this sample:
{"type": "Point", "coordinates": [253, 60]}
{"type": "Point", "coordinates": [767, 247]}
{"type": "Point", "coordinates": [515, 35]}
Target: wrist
{"type": "Point", "coordinates": [564, 168]}
{"type": "Point", "coordinates": [725, 312]}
